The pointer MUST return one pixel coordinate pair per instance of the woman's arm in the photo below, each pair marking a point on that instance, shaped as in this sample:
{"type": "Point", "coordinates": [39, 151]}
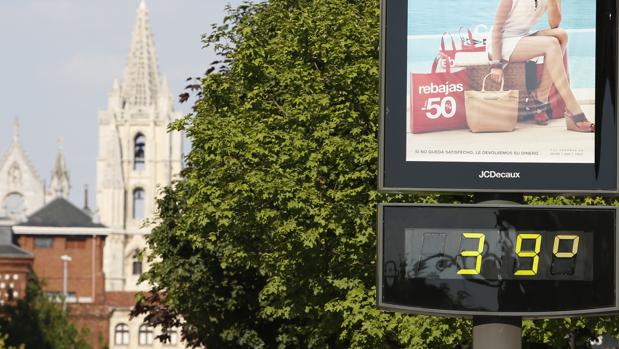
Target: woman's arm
{"type": "Point", "coordinates": [554, 13]}
{"type": "Point", "coordinates": [502, 12]}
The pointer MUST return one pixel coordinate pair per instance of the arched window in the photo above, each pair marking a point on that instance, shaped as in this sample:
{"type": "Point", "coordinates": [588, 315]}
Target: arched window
{"type": "Point", "coordinates": [139, 157]}
{"type": "Point", "coordinates": [138, 203]}
{"type": "Point", "coordinates": [121, 334]}
{"type": "Point", "coordinates": [14, 206]}
{"type": "Point", "coordinates": [136, 264]}
{"type": "Point", "coordinates": [172, 337]}
{"type": "Point", "coordinates": [145, 335]}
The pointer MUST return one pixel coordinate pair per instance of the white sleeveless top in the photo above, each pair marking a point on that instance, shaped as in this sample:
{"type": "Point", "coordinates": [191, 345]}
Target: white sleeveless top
{"type": "Point", "coordinates": [521, 19]}
{"type": "Point", "coordinates": [523, 16]}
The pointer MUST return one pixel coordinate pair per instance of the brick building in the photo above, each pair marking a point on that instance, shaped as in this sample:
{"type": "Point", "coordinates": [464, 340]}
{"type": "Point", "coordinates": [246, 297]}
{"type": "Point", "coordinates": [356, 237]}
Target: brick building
{"type": "Point", "coordinates": [137, 155]}
{"type": "Point", "coordinates": [15, 263]}
{"type": "Point", "coordinates": [62, 229]}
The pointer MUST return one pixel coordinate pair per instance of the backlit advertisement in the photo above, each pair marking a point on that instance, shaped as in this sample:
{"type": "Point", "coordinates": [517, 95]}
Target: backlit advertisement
{"type": "Point", "coordinates": [511, 95]}
{"type": "Point", "coordinates": [542, 53]}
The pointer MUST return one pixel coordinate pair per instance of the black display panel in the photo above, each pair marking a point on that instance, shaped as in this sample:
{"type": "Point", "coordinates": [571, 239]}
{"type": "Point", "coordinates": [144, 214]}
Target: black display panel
{"type": "Point", "coordinates": [496, 165]}
{"type": "Point", "coordinates": [495, 254]}
{"type": "Point", "coordinates": [497, 260]}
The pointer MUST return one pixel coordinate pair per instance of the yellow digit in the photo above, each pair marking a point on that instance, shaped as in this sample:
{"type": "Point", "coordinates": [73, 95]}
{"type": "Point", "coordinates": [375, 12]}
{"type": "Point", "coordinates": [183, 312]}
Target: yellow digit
{"type": "Point", "coordinates": [477, 254]}
{"type": "Point", "coordinates": [529, 254]}
{"type": "Point", "coordinates": [555, 247]}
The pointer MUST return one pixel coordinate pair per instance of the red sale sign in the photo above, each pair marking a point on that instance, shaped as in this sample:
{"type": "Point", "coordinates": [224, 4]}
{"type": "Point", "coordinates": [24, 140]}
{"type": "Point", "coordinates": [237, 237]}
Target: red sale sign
{"type": "Point", "coordinates": [437, 100]}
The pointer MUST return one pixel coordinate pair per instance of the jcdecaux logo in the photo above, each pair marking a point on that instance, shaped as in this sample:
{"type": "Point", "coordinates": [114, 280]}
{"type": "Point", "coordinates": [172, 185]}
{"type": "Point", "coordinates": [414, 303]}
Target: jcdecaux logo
{"type": "Point", "coordinates": [494, 174]}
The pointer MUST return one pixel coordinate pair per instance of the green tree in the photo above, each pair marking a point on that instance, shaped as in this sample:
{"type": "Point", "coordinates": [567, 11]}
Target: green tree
{"type": "Point", "coordinates": [39, 322]}
{"type": "Point", "coordinates": [269, 238]}
{"type": "Point", "coordinates": [3, 344]}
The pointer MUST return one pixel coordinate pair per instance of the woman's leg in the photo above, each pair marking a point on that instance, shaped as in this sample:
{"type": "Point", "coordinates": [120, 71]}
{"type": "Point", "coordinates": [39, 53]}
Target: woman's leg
{"type": "Point", "coordinates": [549, 47]}
{"type": "Point", "coordinates": [543, 88]}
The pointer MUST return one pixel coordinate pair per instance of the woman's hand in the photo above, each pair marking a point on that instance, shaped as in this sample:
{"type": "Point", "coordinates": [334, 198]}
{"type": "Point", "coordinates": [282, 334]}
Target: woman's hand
{"type": "Point", "coordinates": [496, 74]}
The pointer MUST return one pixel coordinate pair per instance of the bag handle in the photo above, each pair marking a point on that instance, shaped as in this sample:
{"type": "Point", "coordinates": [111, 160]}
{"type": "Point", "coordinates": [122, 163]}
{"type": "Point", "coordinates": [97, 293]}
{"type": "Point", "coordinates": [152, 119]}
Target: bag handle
{"type": "Point", "coordinates": [470, 37]}
{"type": "Point", "coordinates": [477, 28]}
{"type": "Point", "coordinates": [483, 84]}
{"type": "Point", "coordinates": [453, 42]}
{"type": "Point", "coordinates": [437, 59]}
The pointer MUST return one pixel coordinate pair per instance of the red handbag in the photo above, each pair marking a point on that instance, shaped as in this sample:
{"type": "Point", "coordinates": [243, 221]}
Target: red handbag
{"type": "Point", "coordinates": [557, 105]}
{"type": "Point", "coordinates": [437, 100]}
{"type": "Point", "coordinates": [446, 56]}
{"type": "Point", "coordinates": [469, 43]}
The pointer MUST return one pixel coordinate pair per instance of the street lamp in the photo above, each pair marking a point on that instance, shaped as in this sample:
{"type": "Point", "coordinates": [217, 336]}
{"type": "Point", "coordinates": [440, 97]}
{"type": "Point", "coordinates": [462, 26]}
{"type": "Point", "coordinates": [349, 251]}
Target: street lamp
{"type": "Point", "coordinates": [65, 259]}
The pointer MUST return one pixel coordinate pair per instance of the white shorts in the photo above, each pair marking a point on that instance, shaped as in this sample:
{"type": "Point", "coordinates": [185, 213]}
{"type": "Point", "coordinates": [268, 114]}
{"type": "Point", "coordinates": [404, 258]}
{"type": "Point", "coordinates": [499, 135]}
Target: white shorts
{"type": "Point", "coordinates": [509, 44]}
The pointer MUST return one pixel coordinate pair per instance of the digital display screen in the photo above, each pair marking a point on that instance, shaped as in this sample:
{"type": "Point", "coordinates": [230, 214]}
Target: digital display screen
{"type": "Point", "coordinates": [516, 260]}
{"type": "Point", "coordinates": [494, 254]}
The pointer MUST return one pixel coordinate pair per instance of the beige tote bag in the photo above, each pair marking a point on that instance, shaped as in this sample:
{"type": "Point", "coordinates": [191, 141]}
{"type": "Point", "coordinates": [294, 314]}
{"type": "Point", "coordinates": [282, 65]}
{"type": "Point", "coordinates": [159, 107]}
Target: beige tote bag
{"type": "Point", "coordinates": [491, 111]}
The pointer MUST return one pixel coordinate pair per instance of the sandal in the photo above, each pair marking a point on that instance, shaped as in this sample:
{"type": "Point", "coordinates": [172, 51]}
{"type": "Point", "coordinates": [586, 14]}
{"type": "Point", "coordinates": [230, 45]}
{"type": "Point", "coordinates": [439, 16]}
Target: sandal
{"type": "Point", "coordinates": [541, 118]}
{"type": "Point", "coordinates": [535, 105]}
{"type": "Point", "coordinates": [579, 123]}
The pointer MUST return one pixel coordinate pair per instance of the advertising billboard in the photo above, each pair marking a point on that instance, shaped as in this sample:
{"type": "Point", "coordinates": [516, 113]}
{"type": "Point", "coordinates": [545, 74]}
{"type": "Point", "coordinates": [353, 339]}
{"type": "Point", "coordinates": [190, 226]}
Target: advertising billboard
{"type": "Point", "coordinates": [499, 95]}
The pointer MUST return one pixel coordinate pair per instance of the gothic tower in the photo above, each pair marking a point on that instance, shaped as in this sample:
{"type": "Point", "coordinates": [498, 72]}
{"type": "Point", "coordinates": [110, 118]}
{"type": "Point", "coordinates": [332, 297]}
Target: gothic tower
{"type": "Point", "coordinates": [59, 185]}
{"type": "Point", "coordinates": [136, 155]}
{"type": "Point", "coordinates": [21, 189]}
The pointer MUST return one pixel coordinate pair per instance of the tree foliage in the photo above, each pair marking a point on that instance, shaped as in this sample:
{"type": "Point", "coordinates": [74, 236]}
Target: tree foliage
{"type": "Point", "coordinates": [269, 238]}
{"type": "Point", "coordinates": [39, 322]}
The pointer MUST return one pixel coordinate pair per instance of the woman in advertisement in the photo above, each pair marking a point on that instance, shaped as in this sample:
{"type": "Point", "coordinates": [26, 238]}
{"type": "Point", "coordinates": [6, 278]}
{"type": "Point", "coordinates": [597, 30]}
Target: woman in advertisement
{"type": "Point", "coordinates": [512, 40]}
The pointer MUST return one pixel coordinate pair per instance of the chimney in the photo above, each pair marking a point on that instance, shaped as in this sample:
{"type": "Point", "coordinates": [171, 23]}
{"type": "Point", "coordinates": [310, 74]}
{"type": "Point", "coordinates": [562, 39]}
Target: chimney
{"type": "Point", "coordinates": [86, 208]}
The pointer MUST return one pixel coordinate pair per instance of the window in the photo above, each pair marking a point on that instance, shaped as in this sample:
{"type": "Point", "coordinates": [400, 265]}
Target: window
{"type": "Point", "coordinates": [14, 205]}
{"type": "Point", "coordinates": [121, 334]}
{"type": "Point", "coordinates": [173, 337]}
{"type": "Point", "coordinates": [145, 335]}
{"type": "Point", "coordinates": [139, 151]}
{"type": "Point", "coordinates": [136, 264]}
{"type": "Point", "coordinates": [75, 243]}
{"type": "Point", "coordinates": [138, 203]}
{"type": "Point", "coordinates": [43, 242]}
{"type": "Point", "coordinates": [58, 296]}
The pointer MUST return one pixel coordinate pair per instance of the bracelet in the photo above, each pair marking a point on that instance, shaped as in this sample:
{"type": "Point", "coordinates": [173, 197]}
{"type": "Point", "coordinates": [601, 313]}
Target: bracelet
{"type": "Point", "coordinates": [501, 64]}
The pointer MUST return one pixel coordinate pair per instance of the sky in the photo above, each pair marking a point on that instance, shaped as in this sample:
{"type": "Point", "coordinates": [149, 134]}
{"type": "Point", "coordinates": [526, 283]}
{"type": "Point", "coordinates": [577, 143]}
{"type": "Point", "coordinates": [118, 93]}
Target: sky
{"type": "Point", "coordinates": [58, 60]}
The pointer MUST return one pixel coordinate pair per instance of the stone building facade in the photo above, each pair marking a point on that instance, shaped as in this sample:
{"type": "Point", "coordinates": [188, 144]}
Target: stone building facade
{"type": "Point", "coordinates": [136, 156]}
{"type": "Point", "coordinates": [21, 189]}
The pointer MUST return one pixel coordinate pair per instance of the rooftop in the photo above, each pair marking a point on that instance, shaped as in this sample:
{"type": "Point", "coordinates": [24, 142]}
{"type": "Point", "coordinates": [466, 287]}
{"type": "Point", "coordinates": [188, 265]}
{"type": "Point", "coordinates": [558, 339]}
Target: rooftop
{"type": "Point", "coordinates": [7, 248]}
{"type": "Point", "coordinates": [60, 213]}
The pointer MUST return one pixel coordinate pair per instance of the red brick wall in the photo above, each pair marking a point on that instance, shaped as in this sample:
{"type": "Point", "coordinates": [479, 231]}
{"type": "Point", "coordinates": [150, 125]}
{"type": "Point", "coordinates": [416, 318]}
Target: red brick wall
{"type": "Point", "coordinates": [10, 268]}
{"type": "Point", "coordinates": [94, 317]}
{"type": "Point", "coordinates": [49, 267]}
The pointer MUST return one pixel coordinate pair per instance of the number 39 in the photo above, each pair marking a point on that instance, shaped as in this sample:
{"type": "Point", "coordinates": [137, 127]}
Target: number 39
{"type": "Point", "coordinates": [537, 238]}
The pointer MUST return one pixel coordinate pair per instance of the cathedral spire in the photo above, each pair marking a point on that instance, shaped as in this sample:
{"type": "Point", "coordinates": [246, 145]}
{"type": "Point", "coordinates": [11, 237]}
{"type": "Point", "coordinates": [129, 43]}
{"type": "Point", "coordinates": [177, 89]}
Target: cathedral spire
{"type": "Point", "coordinates": [59, 185]}
{"type": "Point", "coordinates": [141, 82]}
{"type": "Point", "coordinates": [16, 131]}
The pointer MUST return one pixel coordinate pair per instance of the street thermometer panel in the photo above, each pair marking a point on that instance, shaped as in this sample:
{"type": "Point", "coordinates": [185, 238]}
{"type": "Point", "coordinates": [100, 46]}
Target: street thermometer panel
{"type": "Point", "coordinates": [497, 260]}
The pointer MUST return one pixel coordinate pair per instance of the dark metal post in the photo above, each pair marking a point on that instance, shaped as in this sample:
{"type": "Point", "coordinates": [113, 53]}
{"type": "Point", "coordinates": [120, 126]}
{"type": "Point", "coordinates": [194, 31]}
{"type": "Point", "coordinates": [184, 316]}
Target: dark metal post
{"type": "Point", "coordinates": [497, 332]}
{"type": "Point", "coordinates": [491, 332]}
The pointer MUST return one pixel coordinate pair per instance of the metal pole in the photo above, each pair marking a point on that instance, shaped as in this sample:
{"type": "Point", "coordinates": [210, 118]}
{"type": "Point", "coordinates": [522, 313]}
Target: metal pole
{"type": "Point", "coordinates": [491, 332]}
{"type": "Point", "coordinates": [65, 259]}
{"type": "Point", "coordinates": [64, 285]}
{"type": "Point", "coordinates": [497, 332]}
